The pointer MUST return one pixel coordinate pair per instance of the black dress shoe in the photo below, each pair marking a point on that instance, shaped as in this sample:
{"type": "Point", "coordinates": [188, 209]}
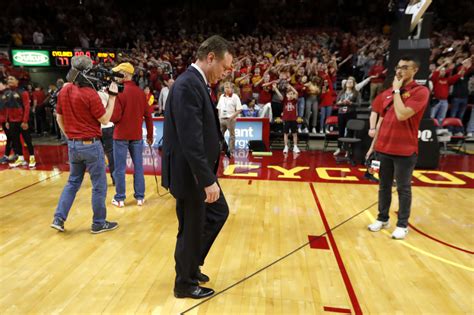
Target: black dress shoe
{"type": "Point", "coordinates": [202, 278]}
{"type": "Point", "coordinates": [196, 292]}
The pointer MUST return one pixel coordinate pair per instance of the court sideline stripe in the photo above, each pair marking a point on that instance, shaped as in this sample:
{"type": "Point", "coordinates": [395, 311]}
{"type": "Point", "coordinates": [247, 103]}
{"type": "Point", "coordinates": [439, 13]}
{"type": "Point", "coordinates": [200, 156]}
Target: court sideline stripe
{"type": "Point", "coordinates": [35, 183]}
{"type": "Point", "coordinates": [340, 263]}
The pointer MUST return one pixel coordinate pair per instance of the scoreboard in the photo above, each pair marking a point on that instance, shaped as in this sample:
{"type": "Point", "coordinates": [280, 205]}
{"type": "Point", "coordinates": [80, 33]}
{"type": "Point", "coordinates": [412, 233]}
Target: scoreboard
{"type": "Point", "coordinates": [62, 58]}
{"type": "Point", "coordinates": [56, 58]}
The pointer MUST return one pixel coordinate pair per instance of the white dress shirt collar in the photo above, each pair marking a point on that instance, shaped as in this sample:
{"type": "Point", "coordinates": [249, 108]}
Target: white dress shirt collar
{"type": "Point", "coordinates": [200, 71]}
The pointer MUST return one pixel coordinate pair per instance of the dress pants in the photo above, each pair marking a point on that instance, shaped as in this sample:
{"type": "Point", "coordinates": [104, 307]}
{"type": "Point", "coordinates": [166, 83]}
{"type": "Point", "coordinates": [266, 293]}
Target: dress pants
{"type": "Point", "coordinates": [199, 225]}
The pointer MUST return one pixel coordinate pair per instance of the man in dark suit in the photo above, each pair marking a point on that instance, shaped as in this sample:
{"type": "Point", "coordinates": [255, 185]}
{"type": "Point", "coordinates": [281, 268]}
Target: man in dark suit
{"type": "Point", "coordinates": [190, 158]}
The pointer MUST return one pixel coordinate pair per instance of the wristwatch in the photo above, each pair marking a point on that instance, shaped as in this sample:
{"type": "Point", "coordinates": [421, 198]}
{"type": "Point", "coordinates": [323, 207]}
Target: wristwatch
{"type": "Point", "coordinates": [397, 91]}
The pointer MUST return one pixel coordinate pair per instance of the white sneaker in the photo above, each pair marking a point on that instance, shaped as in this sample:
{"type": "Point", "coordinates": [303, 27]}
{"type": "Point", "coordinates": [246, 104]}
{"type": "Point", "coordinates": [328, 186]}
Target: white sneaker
{"type": "Point", "coordinates": [299, 130]}
{"type": "Point", "coordinates": [32, 162]}
{"type": "Point", "coordinates": [459, 134]}
{"type": "Point", "coordinates": [296, 149]}
{"type": "Point", "coordinates": [305, 130]}
{"type": "Point", "coordinates": [337, 152]}
{"type": "Point", "coordinates": [20, 161]}
{"type": "Point", "coordinates": [313, 131]}
{"type": "Point", "coordinates": [469, 135]}
{"type": "Point", "coordinates": [285, 150]}
{"type": "Point", "coordinates": [378, 225]}
{"type": "Point", "coordinates": [140, 202]}
{"type": "Point", "coordinates": [119, 204]}
{"type": "Point", "coordinates": [399, 233]}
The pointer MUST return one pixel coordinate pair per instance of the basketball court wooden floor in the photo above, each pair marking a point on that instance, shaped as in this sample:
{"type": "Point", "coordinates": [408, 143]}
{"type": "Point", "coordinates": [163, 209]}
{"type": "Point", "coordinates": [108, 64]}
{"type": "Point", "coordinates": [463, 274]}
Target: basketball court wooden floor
{"type": "Point", "coordinates": [290, 246]}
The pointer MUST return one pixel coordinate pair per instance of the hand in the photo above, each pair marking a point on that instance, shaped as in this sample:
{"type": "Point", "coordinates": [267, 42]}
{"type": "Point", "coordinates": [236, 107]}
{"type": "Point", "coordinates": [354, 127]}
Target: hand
{"type": "Point", "coordinates": [369, 153]}
{"type": "Point", "coordinates": [7, 125]}
{"type": "Point", "coordinates": [212, 193]}
{"type": "Point", "coordinates": [467, 63]}
{"type": "Point", "coordinates": [24, 126]}
{"type": "Point", "coordinates": [371, 133]}
{"type": "Point", "coordinates": [113, 89]}
{"type": "Point", "coordinates": [149, 141]}
{"type": "Point", "coordinates": [397, 83]}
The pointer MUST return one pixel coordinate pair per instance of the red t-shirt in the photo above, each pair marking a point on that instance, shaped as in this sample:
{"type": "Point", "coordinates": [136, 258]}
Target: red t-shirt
{"type": "Point", "coordinates": [130, 109]}
{"type": "Point", "coordinates": [401, 137]}
{"type": "Point", "coordinates": [81, 108]}
{"type": "Point", "coordinates": [289, 110]}
{"type": "Point", "coordinates": [300, 88]}
{"type": "Point", "coordinates": [39, 96]}
{"type": "Point", "coordinates": [441, 85]}
{"type": "Point", "coordinates": [264, 94]}
{"type": "Point", "coordinates": [377, 70]}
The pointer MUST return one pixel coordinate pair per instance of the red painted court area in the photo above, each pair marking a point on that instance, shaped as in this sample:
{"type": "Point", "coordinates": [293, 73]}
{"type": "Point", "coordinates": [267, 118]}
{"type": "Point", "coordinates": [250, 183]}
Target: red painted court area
{"type": "Point", "coordinates": [308, 166]}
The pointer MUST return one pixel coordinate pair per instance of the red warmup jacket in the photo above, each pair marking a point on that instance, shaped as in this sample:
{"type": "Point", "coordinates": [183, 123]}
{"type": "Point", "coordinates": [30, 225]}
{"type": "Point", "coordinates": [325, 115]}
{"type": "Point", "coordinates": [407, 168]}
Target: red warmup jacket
{"type": "Point", "coordinates": [16, 110]}
{"type": "Point", "coordinates": [130, 109]}
{"type": "Point", "coordinates": [441, 85]}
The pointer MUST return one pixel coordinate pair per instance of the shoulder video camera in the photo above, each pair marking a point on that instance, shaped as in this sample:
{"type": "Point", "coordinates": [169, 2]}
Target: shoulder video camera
{"type": "Point", "coordinates": [97, 78]}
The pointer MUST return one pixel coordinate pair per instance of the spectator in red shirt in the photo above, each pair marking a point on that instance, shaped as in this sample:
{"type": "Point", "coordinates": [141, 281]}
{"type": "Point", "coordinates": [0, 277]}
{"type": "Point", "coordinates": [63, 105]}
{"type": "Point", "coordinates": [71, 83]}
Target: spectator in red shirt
{"type": "Point", "coordinates": [265, 96]}
{"type": "Point", "coordinates": [396, 144]}
{"type": "Point", "coordinates": [39, 110]}
{"type": "Point", "coordinates": [17, 115]}
{"type": "Point", "coordinates": [441, 83]}
{"type": "Point", "coordinates": [289, 116]}
{"type": "Point", "coordinates": [130, 110]}
{"type": "Point", "coordinates": [376, 83]}
{"type": "Point", "coordinates": [79, 114]}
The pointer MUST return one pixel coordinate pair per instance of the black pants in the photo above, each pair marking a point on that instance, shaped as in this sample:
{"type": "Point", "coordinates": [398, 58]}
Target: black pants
{"type": "Point", "coordinates": [16, 131]}
{"type": "Point", "coordinates": [199, 225]}
{"type": "Point", "coordinates": [108, 145]}
{"type": "Point", "coordinates": [342, 120]}
{"type": "Point", "coordinates": [9, 145]}
{"type": "Point", "coordinates": [277, 109]}
{"type": "Point", "coordinates": [40, 115]}
{"type": "Point", "coordinates": [400, 168]}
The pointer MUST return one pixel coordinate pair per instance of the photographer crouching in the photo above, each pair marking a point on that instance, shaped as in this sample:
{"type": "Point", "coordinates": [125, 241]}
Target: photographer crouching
{"type": "Point", "coordinates": [79, 115]}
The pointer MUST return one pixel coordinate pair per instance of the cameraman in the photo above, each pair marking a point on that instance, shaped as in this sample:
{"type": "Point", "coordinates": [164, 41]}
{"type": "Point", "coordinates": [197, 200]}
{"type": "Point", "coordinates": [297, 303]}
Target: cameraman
{"type": "Point", "coordinates": [128, 116]}
{"type": "Point", "coordinates": [79, 113]}
{"type": "Point", "coordinates": [396, 143]}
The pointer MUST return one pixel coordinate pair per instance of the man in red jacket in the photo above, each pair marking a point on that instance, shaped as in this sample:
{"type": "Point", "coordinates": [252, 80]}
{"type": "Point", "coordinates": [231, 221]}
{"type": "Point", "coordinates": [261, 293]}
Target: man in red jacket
{"type": "Point", "coordinates": [130, 109]}
{"type": "Point", "coordinates": [17, 102]}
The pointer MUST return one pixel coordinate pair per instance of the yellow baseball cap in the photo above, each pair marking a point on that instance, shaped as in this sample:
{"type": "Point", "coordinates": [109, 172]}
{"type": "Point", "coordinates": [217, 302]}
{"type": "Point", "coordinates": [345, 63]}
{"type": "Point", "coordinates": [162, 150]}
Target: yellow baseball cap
{"type": "Point", "coordinates": [125, 67]}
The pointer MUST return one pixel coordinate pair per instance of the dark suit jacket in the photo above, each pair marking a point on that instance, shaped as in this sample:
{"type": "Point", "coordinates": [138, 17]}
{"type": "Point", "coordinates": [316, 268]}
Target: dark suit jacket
{"type": "Point", "coordinates": [191, 137]}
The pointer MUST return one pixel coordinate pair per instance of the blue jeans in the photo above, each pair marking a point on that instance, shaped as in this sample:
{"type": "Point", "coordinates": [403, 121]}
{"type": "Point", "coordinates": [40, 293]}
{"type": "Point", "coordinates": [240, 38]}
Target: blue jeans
{"type": "Point", "coordinates": [458, 107]}
{"type": "Point", "coordinates": [120, 158]}
{"type": "Point", "coordinates": [84, 157]}
{"type": "Point", "coordinates": [301, 103]}
{"type": "Point", "coordinates": [439, 110]}
{"type": "Point", "coordinates": [300, 107]}
{"type": "Point", "coordinates": [470, 124]}
{"type": "Point", "coordinates": [325, 113]}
